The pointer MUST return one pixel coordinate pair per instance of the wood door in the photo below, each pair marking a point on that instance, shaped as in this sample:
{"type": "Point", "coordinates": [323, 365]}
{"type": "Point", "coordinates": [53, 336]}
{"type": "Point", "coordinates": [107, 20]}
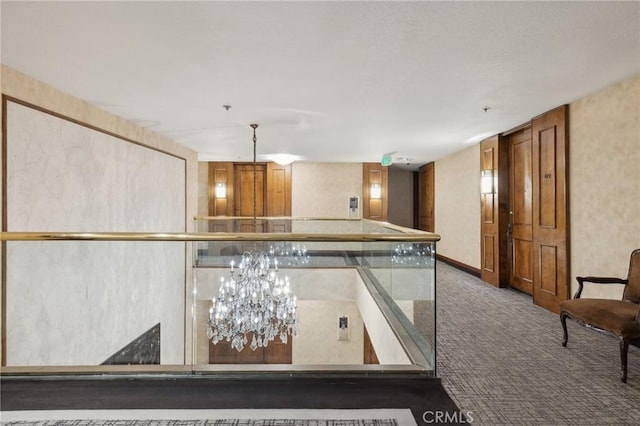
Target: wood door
{"type": "Point", "coordinates": [489, 250]}
{"type": "Point", "coordinates": [494, 204]}
{"type": "Point", "coordinates": [244, 195]}
{"type": "Point", "coordinates": [426, 197]}
{"type": "Point", "coordinates": [550, 147]}
{"type": "Point", "coordinates": [521, 212]}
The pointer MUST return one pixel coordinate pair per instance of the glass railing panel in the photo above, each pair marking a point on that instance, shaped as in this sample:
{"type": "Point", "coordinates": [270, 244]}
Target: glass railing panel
{"type": "Point", "coordinates": [404, 273]}
{"type": "Point", "coordinates": [145, 298]}
{"type": "Point", "coordinates": [324, 286]}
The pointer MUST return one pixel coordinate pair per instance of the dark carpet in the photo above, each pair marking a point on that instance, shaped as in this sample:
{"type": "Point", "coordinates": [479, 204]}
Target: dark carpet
{"type": "Point", "coordinates": [421, 395]}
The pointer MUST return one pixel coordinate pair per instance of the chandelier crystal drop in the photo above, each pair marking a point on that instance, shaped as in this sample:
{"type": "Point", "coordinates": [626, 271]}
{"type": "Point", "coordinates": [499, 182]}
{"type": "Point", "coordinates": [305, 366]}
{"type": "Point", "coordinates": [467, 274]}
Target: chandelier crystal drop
{"type": "Point", "coordinates": [289, 254]}
{"type": "Point", "coordinates": [413, 254]}
{"type": "Point", "coordinates": [253, 305]}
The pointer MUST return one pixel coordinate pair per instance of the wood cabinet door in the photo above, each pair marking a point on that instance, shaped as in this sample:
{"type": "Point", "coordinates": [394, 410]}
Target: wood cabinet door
{"type": "Point", "coordinates": [550, 207]}
{"type": "Point", "coordinates": [521, 212]}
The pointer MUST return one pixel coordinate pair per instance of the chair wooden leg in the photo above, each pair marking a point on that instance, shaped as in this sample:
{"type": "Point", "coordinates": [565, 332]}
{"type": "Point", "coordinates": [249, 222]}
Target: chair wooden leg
{"type": "Point", "coordinates": [624, 349]}
{"type": "Point", "coordinates": [563, 321]}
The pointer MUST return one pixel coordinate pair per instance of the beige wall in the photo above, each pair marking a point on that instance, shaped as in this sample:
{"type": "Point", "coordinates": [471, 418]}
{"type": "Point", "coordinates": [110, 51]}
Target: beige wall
{"type": "Point", "coordinates": [25, 88]}
{"type": "Point", "coordinates": [317, 341]}
{"type": "Point", "coordinates": [457, 206]}
{"type": "Point", "coordinates": [323, 189]}
{"type": "Point", "coordinates": [78, 171]}
{"type": "Point", "coordinates": [605, 182]}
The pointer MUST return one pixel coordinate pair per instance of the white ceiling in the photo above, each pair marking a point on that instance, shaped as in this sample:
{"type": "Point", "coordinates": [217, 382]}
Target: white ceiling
{"type": "Point", "coordinates": [326, 81]}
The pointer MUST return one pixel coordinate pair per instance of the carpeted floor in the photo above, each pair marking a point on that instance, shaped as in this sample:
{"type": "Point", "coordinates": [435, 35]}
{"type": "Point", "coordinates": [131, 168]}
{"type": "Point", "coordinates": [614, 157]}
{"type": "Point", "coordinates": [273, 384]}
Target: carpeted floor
{"type": "Point", "coordinates": [500, 357]}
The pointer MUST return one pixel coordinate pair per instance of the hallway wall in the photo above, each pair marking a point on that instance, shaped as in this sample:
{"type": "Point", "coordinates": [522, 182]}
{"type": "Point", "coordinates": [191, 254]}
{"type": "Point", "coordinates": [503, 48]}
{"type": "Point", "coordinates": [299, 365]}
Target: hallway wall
{"type": "Point", "coordinates": [323, 189]}
{"type": "Point", "coordinates": [457, 205]}
{"type": "Point", "coordinates": [73, 167]}
{"type": "Point", "coordinates": [605, 183]}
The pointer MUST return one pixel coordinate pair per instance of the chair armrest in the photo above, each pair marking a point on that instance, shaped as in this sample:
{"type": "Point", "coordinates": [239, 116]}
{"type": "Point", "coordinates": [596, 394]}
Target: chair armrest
{"type": "Point", "coordinates": [597, 280]}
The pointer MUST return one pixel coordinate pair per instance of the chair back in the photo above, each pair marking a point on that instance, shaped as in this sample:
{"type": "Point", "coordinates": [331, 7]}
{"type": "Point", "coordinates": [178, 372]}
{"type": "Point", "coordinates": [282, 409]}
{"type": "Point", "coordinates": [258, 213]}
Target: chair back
{"type": "Point", "coordinates": [632, 289]}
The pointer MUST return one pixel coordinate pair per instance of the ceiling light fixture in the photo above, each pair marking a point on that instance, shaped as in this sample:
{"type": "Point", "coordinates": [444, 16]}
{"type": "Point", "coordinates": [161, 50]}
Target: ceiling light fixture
{"type": "Point", "coordinates": [282, 159]}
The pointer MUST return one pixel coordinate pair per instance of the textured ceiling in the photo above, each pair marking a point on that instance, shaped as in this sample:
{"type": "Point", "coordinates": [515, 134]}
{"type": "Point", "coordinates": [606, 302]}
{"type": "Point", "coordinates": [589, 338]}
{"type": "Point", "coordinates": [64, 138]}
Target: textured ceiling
{"type": "Point", "coordinates": [326, 81]}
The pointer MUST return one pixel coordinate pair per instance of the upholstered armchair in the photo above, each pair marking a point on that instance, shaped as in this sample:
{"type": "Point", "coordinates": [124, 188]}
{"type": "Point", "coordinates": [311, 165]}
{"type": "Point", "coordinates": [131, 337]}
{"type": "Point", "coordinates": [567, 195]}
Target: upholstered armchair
{"type": "Point", "coordinates": [618, 317]}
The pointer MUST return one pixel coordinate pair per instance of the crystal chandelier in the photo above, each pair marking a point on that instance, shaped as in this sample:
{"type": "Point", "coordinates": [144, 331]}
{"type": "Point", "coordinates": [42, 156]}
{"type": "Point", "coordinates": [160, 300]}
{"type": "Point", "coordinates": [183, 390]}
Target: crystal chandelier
{"type": "Point", "coordinates": [289, 254]}
{"type": "Point", "coordinates": [253, 303]}
{"type": "Point", "coordinates": [415, 254]}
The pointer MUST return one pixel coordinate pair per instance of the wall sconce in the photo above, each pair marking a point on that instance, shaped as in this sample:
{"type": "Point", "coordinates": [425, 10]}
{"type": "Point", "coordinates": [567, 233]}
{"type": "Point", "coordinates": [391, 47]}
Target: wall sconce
{"type": "Point", "coordinates": [487, 182]}
{"type": "Point", "coordinates": [375, 192]}
{"type": "Point", "coordinates": [221, 190]}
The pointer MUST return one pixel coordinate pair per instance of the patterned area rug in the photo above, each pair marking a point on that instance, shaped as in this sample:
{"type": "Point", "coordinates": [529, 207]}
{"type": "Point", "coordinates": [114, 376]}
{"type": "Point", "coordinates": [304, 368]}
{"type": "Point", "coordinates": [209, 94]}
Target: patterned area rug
{"type": "Point", "coordinates": [219, 422]}
{"type": "Point", "coordinates": [207, 417]}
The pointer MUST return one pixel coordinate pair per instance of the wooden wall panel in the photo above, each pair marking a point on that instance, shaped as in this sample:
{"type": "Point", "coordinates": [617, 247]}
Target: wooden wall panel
{"type": "Point", "coordinates": [522, 265]}
{"type": "Point", "coordinates": [221, 172]}
{"type": "Point", "coordinates": [489, 257]}
{"type": "Point", "coordinates": [547, 172]}
{"type": "Point", "coordinates": [548, 269]}
{"type": "Point", "coordinates": [521, 164]}
{"type": "Point", "coordinates": [273, 195]}
{"type": "Point", "coordinates": [376, 209]}
{"type": "Point", "coordinates": [426, 197]}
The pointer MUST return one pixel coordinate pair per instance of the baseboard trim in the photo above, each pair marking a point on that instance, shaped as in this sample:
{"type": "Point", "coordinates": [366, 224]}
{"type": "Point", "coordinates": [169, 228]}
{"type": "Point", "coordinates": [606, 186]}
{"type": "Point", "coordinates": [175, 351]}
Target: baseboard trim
{"type": "Point", "coordinates": [459, 265]}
